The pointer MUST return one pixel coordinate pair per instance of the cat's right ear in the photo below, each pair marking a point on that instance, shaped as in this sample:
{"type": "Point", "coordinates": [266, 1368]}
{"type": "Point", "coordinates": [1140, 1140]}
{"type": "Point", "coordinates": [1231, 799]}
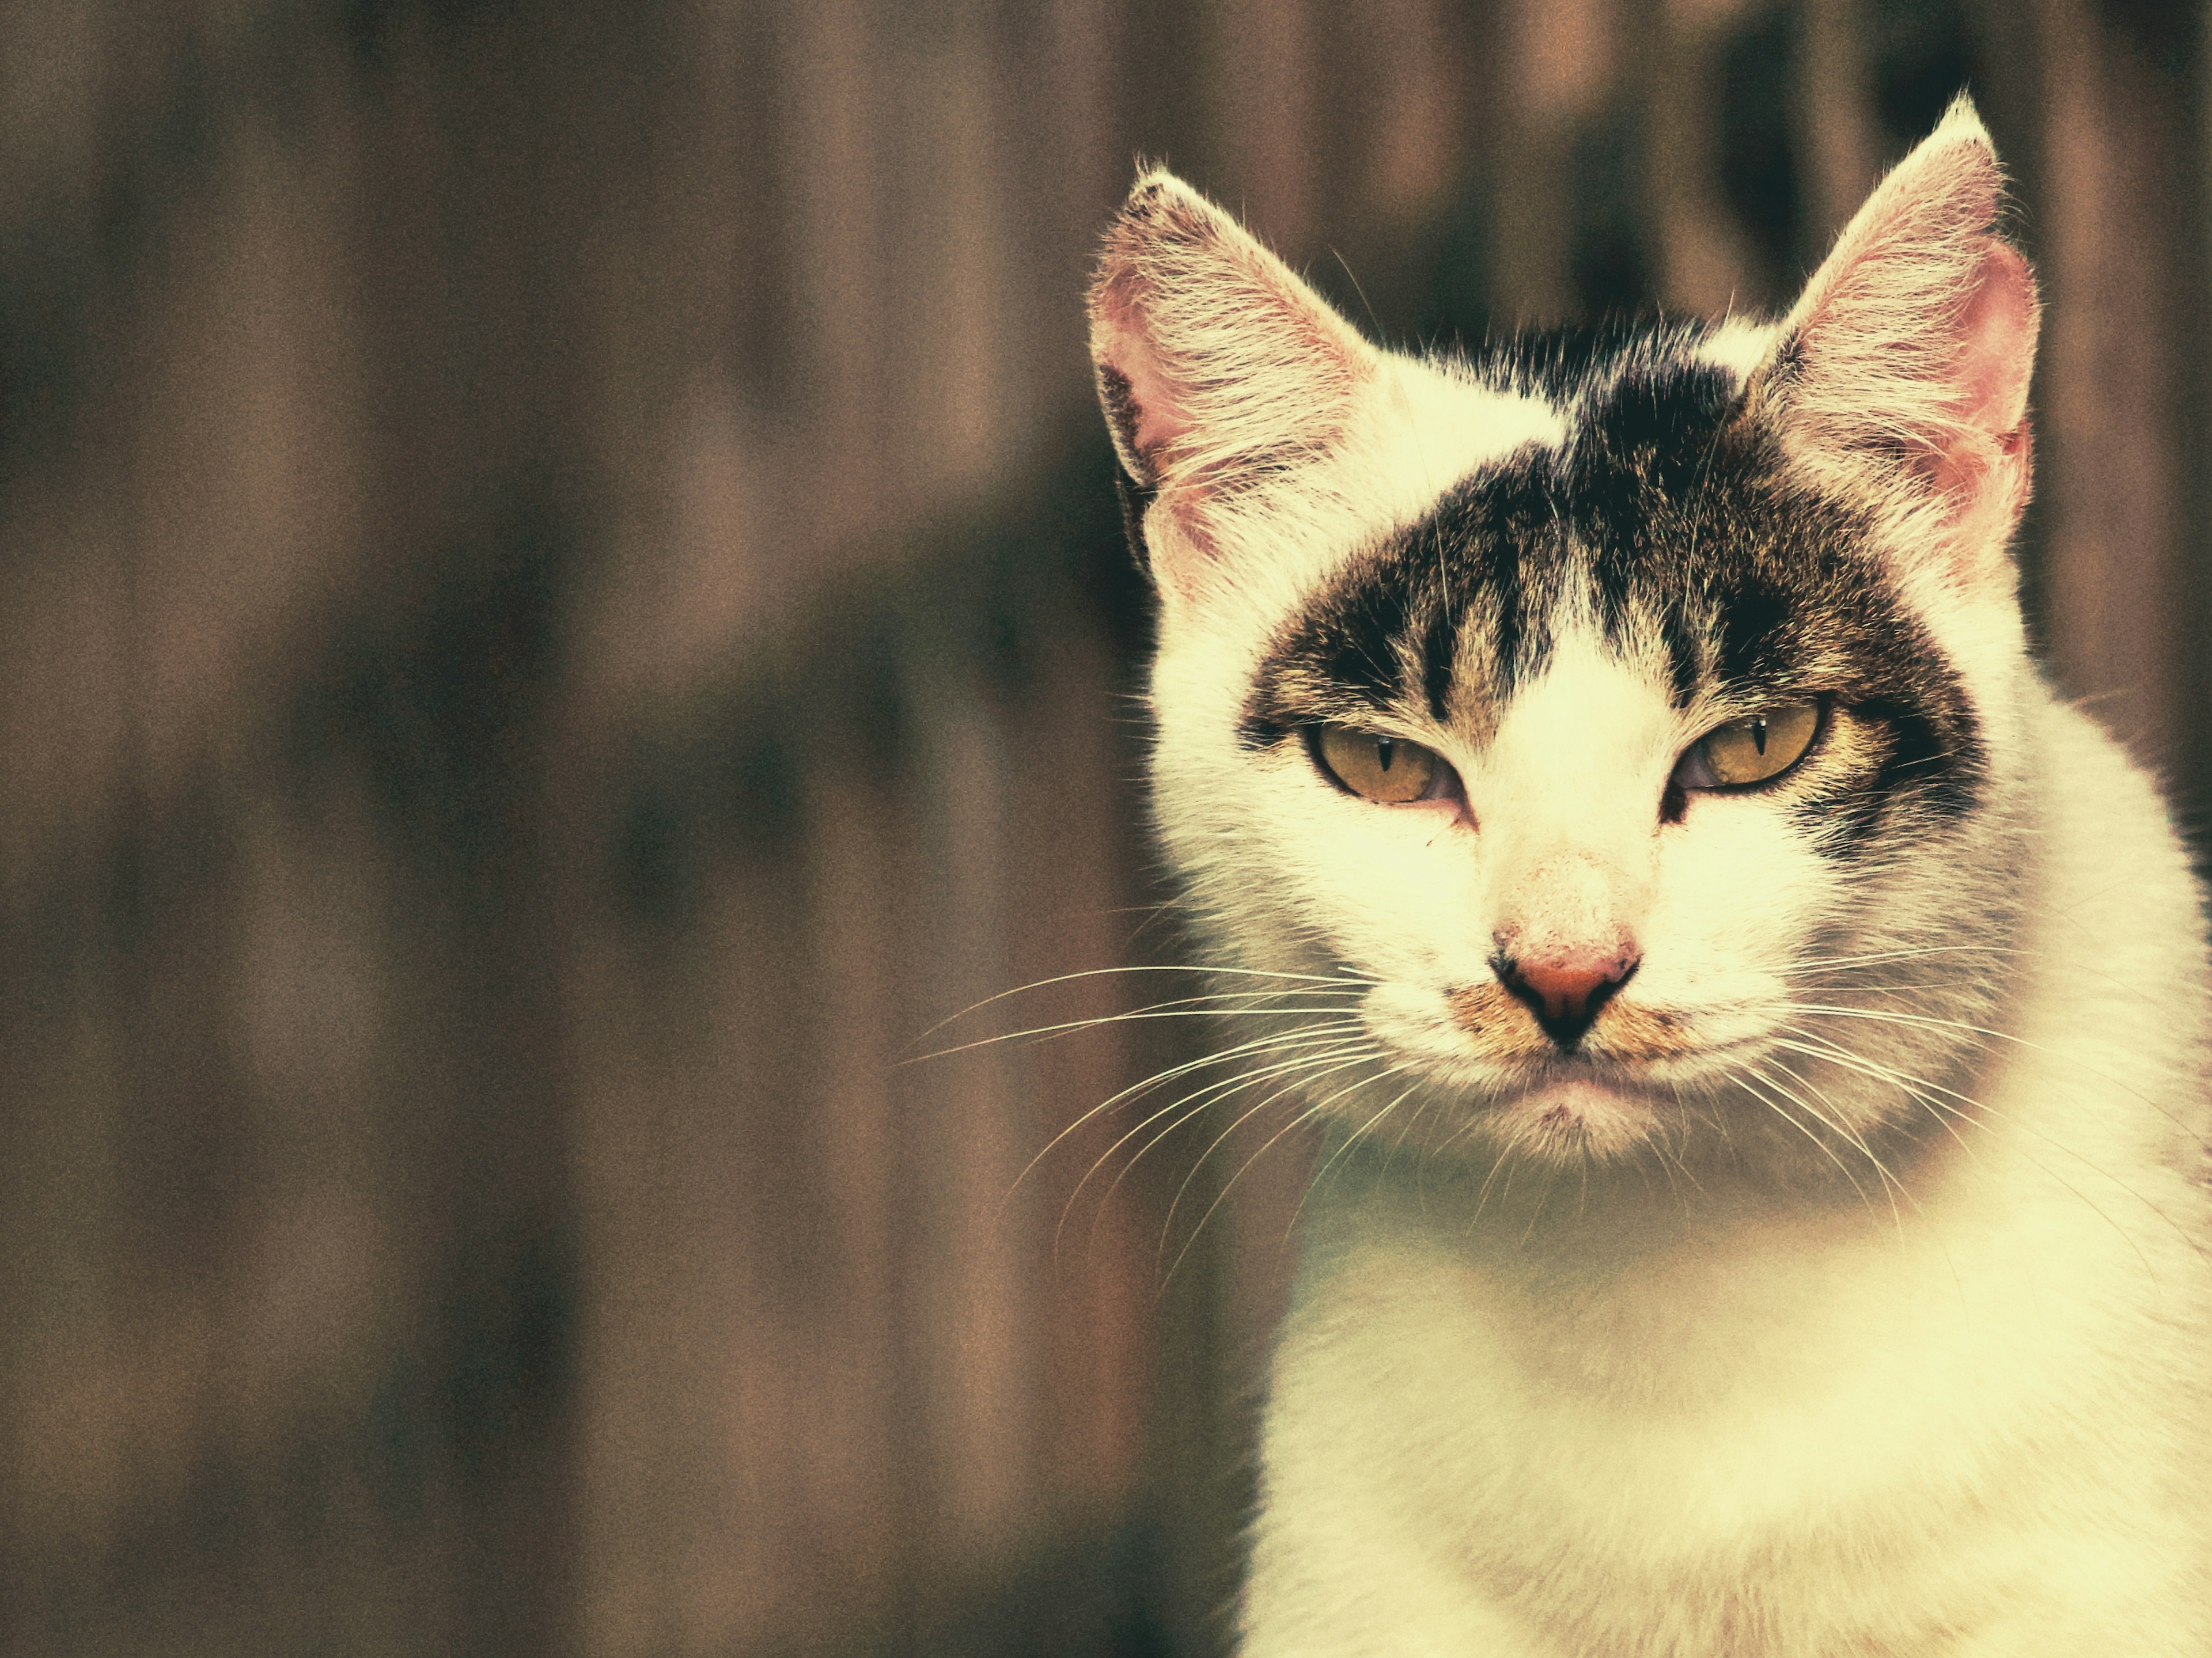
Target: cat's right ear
{"type": "Point", "coordinates": [1222, 375]}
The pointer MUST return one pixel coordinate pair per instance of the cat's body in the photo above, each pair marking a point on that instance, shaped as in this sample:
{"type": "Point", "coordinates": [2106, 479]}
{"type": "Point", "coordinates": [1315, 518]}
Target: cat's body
{"type": "Point", "coordinates": [1762, 1033]}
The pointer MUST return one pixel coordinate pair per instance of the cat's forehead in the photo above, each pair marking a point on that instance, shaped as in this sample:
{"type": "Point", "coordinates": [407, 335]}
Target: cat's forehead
{"type": "Point", "coordinates": [1668, 522]}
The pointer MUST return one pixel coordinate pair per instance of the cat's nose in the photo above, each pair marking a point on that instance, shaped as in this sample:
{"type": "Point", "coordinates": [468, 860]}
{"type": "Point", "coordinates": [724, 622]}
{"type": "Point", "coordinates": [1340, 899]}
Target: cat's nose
{"type": "Point", "coordinates": [1566, 989]}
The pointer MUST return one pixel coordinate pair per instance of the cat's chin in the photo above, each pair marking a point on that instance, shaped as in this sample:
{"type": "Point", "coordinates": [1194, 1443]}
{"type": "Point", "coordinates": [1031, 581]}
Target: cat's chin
{"type": "Point", "coordinates": [1586, 1115]}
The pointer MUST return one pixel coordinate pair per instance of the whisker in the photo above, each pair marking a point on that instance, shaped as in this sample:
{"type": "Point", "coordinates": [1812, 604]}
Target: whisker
{"type": "Point", "coordinates": [1162, 1010]}
{"type": "Point", "coordinates": [1246, 1116]}
{"type": "Point", "coordinates": [1305, 1116]}
{"type": "Point", "coordinates": [1161, 1078]}
{"type": "Point", "coordinates": [1336, 1155]}
{"type": "Point", "coordinates": [1672, 1164]}
{"type": "Point", "coordinates": [1913, 953]}
{"type": "Point", "coordinates": [1199, 1101]}
{"type": "Point", "coordinates": [1931, 1022]}
{"type": "Point", "coordinates": [1855, 1140]}
{"type": "Point", "coordinates": [1360, 980]}
{"type": "Point", "coordinates": [1892, 1186]}
{"type": "Point", "coordinates": [1334, 1034]}
{"type": "Point", "coordinates": [1826, 1151]}
{"type": "Point", "coordinates": [1543, 1197]}
{"type": "Point", "coordinates": [1913, 1086]}
{"type": "Point", "coordinates": [1825, 1050]}
{"type": "Point", "coordinates": [1482, 1196]}
{"type": "Point", "coordinates": [1348, 1144]}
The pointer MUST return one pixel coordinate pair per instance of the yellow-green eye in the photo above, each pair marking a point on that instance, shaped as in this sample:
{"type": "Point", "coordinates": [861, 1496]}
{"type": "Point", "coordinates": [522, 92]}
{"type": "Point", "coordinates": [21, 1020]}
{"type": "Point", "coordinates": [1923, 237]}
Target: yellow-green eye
{"type": "Point", "coordinates": [1750, 750]}
{"type": "Point", "coordinates": [1388, 770]}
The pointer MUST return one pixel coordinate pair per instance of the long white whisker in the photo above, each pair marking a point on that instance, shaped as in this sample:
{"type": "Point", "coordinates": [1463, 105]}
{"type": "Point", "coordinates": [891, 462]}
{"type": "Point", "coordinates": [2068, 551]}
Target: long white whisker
{"type": "Point", "coordinates": [1305, 1116]}
{"type": "Point", "coordinates": [1161, 1078]}
{"type": "Point", "coordinates": [1926, 1021]}
{"type": "Point", "coordinates": [1360, 979]}
{"type": "Point", "coordinates": [1815, 1046]}
{"type": "Point", "coordinates": [1244, 1117]}
{"type": "Point", "coordinates": [1166, 1011]}
{"type": "Point", "coordinates": [1922, 1089]}
{"type": "Point", "coordinates": [1337, 1156]}
{"type": "Point", "coordinates": [1332, 1038]}
{"type": "Point", "coordinates": [1826, 1151]}
{"type": "Point", "coordinates": [1892, 1186]}
{"type": "Point", "coordinates": [1198, 1102]}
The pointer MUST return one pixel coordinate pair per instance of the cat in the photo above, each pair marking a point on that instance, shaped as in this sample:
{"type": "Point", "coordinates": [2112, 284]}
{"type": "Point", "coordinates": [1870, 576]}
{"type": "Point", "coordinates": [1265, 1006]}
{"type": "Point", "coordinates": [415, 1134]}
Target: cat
{"type": "Point", "coordinates": [1760, 1030]}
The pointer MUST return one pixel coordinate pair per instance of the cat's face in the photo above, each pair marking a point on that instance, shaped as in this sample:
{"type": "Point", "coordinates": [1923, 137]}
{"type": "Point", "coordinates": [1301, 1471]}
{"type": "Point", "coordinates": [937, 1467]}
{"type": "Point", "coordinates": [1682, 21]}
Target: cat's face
{"type": "Point", "coordinates": [1624, 742]}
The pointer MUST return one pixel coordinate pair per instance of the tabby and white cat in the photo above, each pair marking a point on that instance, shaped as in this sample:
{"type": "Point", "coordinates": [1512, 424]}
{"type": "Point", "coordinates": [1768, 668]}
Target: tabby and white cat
{"type": "Point", "coordinates": [1762, 1030]}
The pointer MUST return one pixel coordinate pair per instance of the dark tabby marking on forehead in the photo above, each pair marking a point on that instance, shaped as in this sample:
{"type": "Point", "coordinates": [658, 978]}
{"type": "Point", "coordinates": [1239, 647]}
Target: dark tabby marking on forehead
{"type": "Point", "coordinates": [1672, 508]}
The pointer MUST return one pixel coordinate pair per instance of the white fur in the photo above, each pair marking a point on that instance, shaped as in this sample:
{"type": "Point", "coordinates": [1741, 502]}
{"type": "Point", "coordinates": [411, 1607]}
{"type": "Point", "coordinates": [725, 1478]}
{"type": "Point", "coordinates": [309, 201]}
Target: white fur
{"type": "Point", "coordinates": [1632, 1417]}
{"type": "Point", "coordinates": [1899, 1352]}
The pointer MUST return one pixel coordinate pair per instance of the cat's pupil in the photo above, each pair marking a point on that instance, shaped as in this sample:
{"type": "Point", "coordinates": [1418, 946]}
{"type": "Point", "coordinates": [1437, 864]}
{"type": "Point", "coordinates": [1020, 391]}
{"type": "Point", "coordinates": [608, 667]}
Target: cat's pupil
{"type": "Point", "coordinates": [1383, 746]}
{"type": "Point", "coordinates": [1757, 735]}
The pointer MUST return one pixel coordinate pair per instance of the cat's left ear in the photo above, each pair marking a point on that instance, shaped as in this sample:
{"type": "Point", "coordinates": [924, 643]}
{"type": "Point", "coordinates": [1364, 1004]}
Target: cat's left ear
{"type": "Point", "coordinates": [1902, 372]}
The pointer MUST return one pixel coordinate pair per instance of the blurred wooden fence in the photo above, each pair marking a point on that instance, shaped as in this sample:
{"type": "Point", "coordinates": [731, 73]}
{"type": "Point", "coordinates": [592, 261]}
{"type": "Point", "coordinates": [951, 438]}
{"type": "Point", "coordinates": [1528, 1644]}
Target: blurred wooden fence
{"type": "Point", "coordinates": [560, 605]}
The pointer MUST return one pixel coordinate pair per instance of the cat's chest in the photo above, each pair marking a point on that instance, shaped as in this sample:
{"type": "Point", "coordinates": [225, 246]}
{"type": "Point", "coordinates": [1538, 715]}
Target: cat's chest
{"type": "Point", "coordinates": [1707, 1395]}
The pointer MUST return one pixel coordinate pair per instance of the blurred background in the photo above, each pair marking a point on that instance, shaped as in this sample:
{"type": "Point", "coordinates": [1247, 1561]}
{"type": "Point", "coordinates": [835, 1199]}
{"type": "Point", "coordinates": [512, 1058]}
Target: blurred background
{"type": "Point", "coordinates": [561, 604]}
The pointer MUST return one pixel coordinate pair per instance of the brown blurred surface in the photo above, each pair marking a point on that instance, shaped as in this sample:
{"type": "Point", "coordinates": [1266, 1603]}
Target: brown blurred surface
{"type": "Point", "coordinates": [561, 606]}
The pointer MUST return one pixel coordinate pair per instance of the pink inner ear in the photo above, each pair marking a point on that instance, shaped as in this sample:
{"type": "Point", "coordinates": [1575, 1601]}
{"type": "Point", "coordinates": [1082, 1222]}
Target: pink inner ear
{"type": "Point", "coordinates": [1155, 419]}
{"type": "Point", "coordinates": [1996, 344]}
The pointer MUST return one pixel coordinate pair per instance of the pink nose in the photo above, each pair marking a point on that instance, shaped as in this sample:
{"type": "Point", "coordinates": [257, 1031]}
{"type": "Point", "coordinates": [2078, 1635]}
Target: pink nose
{"type": "Point", "coordinates": [1566, 991]}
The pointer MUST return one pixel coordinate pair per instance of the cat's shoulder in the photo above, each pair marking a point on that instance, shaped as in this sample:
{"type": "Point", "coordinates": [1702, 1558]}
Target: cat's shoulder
{"type": "Point", "coordinates": [2103, 803]}
{"type": "Point", "coordinates": [2122, 918]}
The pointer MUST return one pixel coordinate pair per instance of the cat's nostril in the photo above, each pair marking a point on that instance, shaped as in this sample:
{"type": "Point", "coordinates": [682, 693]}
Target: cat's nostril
{"type": "Point", "coordinates": [1565, 993]}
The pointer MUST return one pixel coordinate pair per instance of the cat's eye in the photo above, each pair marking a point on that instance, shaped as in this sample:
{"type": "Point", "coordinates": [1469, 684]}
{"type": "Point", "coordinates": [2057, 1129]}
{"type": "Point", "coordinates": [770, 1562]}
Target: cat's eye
{"type": "Point", "coordinates": [1752, 750]}
{"type": "Point", "coordinates": [1387, 769]}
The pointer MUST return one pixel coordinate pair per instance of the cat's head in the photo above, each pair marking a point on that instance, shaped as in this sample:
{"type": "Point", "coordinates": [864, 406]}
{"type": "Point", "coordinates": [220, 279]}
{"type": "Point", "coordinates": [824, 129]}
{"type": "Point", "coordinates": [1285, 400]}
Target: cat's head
{"type": "Point", "coordinates": [1626, 738]}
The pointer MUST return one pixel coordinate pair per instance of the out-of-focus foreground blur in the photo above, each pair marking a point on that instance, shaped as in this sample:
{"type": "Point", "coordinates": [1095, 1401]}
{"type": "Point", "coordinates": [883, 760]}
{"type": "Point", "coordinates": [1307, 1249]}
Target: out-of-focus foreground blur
{"type": "Point", "coordinates": [561, 604]}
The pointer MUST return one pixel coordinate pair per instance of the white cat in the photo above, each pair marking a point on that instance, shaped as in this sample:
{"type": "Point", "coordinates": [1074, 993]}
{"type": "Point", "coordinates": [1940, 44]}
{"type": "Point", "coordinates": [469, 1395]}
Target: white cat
{"type": "Point", "coordinates": [1762, 1031]}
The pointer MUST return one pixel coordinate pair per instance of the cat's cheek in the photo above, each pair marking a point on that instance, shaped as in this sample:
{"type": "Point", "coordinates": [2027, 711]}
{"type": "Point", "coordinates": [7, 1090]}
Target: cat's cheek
{"type": "Point", "coordinates": [1414, 1020]}
{"type": "Point", "coordinates": [1738, 893]}
{"type": "Point", "coordinates": [1393, 886]}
